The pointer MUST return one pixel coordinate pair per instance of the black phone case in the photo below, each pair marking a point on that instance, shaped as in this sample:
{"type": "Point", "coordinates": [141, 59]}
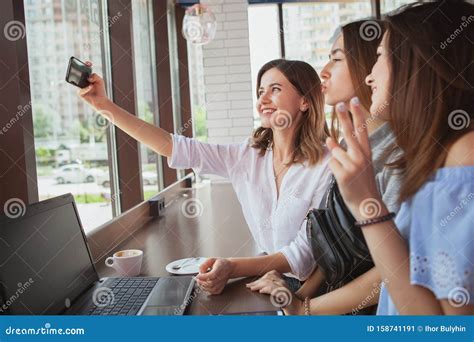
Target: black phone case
{"type": "Point", "coordinates": [78, 73]}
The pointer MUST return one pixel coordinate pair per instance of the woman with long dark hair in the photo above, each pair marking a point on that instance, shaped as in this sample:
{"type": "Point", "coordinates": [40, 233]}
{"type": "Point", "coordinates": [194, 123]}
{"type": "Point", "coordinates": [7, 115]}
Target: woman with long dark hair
{"type": "Point", "coordinates": [425, 72]}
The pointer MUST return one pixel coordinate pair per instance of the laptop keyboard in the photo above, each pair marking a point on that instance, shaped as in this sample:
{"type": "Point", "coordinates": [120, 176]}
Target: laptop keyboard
{"type": "Point", "coordinates": [129, 294]}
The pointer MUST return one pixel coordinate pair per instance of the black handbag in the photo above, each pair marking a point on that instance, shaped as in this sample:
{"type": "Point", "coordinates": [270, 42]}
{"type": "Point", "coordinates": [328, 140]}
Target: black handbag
{"type": "Point", "coordinates": [338, 245]}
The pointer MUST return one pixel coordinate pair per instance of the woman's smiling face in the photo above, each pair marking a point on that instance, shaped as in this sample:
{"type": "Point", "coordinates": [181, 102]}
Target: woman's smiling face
{"type": "Point", "coordinates": [337, 83]}
{"type": "Point", "coordinates": [279, 101]}
{"type": "Point", "coordinates": [379, 81]}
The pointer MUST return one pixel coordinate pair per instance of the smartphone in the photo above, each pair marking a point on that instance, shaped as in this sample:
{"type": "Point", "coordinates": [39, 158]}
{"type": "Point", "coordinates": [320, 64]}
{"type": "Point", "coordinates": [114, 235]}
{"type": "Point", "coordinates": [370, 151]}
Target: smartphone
{"type": "Point", "coordinates": [78, 73]}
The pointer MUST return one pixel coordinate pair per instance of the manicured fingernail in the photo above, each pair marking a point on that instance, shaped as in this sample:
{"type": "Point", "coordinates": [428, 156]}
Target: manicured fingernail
{"type": "Point", "coordinates": [355, 101]}
{"type": "Point", "coordinates": [341, 107]}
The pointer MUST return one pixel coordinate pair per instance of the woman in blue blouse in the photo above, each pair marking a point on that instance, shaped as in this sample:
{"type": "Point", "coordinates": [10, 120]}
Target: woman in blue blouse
{"type": "Point", "coordinates": [425, 73]}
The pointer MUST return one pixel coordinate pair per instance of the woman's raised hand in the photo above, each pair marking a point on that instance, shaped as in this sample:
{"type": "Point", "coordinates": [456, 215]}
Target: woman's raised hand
{"type": "Point", "coordinates": [94, 94]}
{"type": "Point", "coordinates": [353, 167]}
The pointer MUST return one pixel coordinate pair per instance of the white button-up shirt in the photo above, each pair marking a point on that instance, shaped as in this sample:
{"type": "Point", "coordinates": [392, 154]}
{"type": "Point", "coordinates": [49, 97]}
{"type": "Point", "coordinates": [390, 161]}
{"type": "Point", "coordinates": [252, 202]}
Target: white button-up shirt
{"type": "Point", "coordinates": [277, 223]}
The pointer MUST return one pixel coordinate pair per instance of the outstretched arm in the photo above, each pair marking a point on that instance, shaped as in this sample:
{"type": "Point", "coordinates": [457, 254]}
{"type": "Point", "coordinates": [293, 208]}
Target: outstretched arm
{"type": "Point", "coordinates": [154, 137]}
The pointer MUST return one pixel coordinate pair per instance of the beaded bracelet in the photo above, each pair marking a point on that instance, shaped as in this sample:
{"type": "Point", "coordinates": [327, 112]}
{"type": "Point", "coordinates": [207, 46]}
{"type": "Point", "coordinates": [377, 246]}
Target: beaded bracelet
{"type": "Point", "coordinates": [307, 311]}
{"type": "Point", "coordinates": [375, 220]}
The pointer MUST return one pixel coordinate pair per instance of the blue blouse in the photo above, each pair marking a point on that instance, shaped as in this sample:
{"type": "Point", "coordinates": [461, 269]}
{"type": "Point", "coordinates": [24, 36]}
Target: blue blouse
{"type": "Point", "coordinates": [437, 223]}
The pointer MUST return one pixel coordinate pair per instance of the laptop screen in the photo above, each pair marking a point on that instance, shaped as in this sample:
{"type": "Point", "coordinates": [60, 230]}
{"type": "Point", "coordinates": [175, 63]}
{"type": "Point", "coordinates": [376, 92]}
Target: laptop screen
{"type": "Point", "coordinates": [44, 260]}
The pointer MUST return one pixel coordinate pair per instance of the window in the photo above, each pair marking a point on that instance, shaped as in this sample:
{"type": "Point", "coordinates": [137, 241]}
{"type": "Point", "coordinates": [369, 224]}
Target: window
{"type": "Point", "coordinates": [307, 28]}
{"type": "Point", "coordinates": [310, 42]}
{"type": "Point", "coordinates": [390, 5]}
{"type": "Point", "coordinates": [145, 89]}
{"type": "Point", "coordinates": [70, 139]}
{"type": "Point", "coordinates": [264, 36]}
{"type": "Point", "coordinates": [196, 82]}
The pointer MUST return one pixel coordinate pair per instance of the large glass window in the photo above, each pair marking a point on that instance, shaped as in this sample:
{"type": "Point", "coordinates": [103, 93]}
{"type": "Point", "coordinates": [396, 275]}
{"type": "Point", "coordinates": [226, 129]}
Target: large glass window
{"type": "Point", "coordinates": [145, 89]}
{"type": "Point", "coordinates": [196, 86]}
{"type": "Point", "coordinates": [264, 36]}
{"type": "Point", "coordinates": [390, 5]}
{"type": "Point", "coordinates": [309, 27]}
{"type": "Point", "coordinates": [70, 139]}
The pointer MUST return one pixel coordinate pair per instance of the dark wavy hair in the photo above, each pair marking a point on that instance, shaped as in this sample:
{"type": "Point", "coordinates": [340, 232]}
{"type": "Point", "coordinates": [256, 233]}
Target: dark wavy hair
{"type": "Point", "coordinates": [430, 50]}
{"type": "Point", "coordinates": [361, 54]}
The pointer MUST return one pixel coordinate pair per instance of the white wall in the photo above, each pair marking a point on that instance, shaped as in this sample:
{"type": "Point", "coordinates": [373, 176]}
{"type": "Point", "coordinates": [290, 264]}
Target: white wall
{"type": "Point", "coordinates": [227, 75]}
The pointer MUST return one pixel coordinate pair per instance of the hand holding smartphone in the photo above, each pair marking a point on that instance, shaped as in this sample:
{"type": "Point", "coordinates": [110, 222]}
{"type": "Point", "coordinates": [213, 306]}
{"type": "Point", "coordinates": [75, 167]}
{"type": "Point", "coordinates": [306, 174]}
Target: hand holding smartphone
{"type": "Point", "coordinates": [78, 73]}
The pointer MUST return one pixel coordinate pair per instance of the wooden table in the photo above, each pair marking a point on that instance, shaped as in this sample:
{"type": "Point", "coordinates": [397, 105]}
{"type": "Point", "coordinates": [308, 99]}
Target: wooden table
{"type": "Point", "coordinates": [207, 221]}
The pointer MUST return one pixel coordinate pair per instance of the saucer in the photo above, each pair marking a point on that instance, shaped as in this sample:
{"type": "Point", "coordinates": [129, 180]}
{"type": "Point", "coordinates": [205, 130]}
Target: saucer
{"type": "Point", "coordinates": [188, 266]}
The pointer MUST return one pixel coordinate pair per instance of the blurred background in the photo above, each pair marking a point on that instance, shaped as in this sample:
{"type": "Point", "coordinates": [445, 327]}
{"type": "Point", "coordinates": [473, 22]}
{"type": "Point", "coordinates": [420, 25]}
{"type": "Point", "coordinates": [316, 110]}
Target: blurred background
{"type": "Point", "coordinates": [201, 90]}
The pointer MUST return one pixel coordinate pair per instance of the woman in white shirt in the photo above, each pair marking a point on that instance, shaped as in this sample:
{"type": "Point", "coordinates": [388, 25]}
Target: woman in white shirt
{"type": "Point", "coordinates": [277, 174]}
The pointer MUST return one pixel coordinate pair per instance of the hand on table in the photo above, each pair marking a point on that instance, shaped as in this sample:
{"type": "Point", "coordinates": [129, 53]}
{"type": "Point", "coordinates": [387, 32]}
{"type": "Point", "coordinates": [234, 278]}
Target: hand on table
{"type": "Point", "coordinates": [272, 283]}
{"type": "Point", "coordinates": [268, 283]}
{"type": "Point", "coordinates": [214, 274]}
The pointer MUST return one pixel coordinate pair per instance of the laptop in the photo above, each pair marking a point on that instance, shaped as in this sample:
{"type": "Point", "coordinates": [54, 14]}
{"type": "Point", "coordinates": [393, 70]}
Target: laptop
{"type": "Point", "coordinates": [46, 268]}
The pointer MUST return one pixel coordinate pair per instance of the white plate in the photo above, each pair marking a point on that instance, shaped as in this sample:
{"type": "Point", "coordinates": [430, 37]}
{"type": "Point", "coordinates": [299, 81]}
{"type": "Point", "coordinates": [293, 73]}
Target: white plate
{"type": "Point", "coordinates": [189, 266]}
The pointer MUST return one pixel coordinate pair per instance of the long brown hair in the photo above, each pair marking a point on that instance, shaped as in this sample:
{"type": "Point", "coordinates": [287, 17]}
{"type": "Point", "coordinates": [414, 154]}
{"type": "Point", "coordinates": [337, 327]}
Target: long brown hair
{"type": "Point", "coordinates": [312, 130]}
{"type": "Point", "coordinates": [430, 53]}
{"type": "Point", "coordinates": [361, 39]}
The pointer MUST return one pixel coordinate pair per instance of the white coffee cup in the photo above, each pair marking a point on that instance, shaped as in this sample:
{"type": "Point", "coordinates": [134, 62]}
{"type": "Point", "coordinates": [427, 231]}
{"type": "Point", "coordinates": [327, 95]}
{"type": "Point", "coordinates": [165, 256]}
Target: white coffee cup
{"type": "Point", "coordinates": [128, 263]}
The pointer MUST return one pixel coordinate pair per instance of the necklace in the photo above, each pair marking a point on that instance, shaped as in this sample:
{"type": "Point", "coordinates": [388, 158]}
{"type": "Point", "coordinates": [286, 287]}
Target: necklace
{"type": "Point", "coordinates": [284, 166]}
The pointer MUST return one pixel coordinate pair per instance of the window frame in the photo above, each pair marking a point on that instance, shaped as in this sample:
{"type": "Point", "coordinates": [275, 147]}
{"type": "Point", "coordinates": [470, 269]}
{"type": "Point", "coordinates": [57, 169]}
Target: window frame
{"type": "Point", "coordinates": [17, 147]}
{"type": "Point", "coordinates": [19, 171]}
{"type": "Point", "coordinates": [374, 5]}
